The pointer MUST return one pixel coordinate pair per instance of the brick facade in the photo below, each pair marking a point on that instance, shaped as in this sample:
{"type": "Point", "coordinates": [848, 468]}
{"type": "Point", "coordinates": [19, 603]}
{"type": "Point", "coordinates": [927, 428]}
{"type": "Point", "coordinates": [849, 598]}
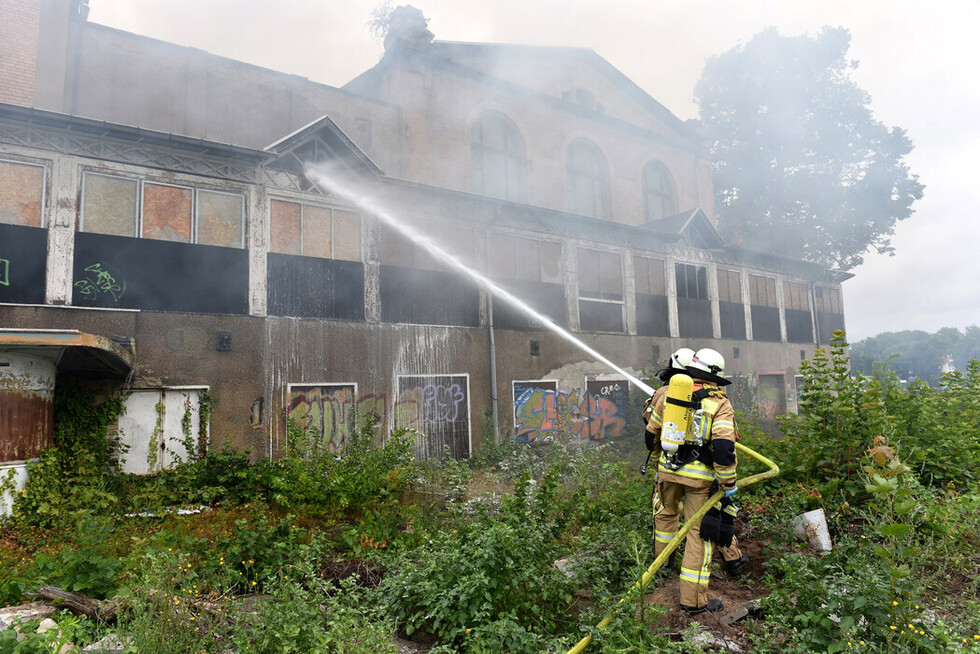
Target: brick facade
{"type": "Point", "coordinates": [18, 50]}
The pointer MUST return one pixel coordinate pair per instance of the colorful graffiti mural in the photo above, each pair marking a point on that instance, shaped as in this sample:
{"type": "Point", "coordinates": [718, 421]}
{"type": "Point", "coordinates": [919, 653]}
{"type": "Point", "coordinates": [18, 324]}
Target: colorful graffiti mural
{"type": "Point", "coordinates": [325, 413]}
{"type": "Point", "coordinates": [544, 413]}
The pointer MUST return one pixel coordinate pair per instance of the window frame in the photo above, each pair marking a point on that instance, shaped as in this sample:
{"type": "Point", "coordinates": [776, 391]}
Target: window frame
{"type": "Point", "coordinates": [139, 217]}
{"type": "Point", "coordinates": [333, 231]}
{"type": "Point", "coordinates": [666, 194]}
{"type": "Point", "coordinates": [598, 178]}
{"type": "Point", "coordinates": [515, 159]}
{"type": "Point", "coordinates": [698, 271]}
{"type": "Point", "coordinates": [43, 222]}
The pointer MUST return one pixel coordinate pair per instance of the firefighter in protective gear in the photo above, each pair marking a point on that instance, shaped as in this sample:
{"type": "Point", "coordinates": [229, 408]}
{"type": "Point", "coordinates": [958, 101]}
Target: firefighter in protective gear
{"type": "Point", "coordinates": [686, 477]}
{"type": "Point", "coordinates": [679, 361]}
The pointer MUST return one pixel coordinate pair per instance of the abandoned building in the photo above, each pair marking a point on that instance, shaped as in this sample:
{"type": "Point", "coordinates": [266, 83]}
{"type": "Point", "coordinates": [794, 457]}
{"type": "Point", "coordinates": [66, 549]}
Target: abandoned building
{"type": "Point", "coordinates": [160, 227]}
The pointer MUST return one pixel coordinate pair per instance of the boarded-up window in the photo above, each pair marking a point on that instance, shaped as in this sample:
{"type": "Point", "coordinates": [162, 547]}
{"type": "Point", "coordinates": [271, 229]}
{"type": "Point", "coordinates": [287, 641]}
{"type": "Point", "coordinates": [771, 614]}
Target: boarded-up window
{"type": "Point", "coordinates": [762, 291]}
{"type": "Point", "coordinates": [167, 212]}
{"type": "Point", "coordinates": [652, 313]}
{"type": "Point", "coordinates": [796, 296]}
{"type": "Point", "coordinates": [765, 309]}
{"type": "Point", "coordinates": [21, 193]}
{"type": "Point", "coordinates": [828, 300]}
{"type": "Point", "coordinates": [830, 311]}
{"type": "Point", "coordinates": [796, 303]}
{"type": "Point", "coordinates": [313, 231]}
{"type": "Point", "coordinates": [649, 276]}
{"type": "Point", "coordinates": [438, 407]}
{"type": "Point", "coordinates": [323, 415]}
{"type": "Point", "coordinates": [220, 219]}
{"type": "Point", "coordinates": [525, 259]}
{"type": "Point", "coordinates": [730, 308]}
{"type": "Point", "coordinates": [531, 270]}
{"type": "Point", "coordinates": [115, 205]}
{"type": "Point", "coordinates": [109, 205]}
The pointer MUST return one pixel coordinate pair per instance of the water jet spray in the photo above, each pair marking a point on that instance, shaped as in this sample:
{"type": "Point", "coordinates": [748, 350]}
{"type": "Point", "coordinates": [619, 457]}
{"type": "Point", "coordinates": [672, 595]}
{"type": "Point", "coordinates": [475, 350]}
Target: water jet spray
{"type": "Point", "coordinates": [344, 184]}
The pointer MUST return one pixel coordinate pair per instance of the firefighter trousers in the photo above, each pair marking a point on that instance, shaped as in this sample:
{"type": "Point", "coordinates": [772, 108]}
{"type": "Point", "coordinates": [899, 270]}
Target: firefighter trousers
{"type": "Point", "coordinates": [696, 564]}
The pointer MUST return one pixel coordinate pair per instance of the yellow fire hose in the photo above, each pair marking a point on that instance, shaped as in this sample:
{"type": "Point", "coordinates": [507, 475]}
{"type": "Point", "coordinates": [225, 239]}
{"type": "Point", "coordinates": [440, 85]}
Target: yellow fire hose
{"type": "Point", "coordinates": [681, 535]}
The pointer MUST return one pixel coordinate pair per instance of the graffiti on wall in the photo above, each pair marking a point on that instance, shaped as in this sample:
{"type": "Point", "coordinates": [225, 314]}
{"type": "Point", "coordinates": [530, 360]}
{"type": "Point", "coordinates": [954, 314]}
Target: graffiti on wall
{"type": "Point", "coordinates": [324, 414]}
{"type": "Point", "coordinates": [544, 413]}
{"type": "Point", "coordinates": [99, 282]}
{"type": "Point", "coordinates": [772, 395]}
{"type": "Point", "coordinates": [438, 407]}
{"type": "Point", "coordinates": [4, 272]}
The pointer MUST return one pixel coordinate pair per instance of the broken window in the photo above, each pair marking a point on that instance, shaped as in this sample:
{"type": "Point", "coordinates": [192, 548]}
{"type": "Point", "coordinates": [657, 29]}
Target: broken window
{"type": "Point", "coordinates": [652, 314]}
{"type": "Point", "coordinates": [765, 309]}
{"type": "Point", "coordinates": [498, 158]}
{"type": "Point", "coordinates": [123, 206]}
{"type": "Point", "coordinates": [658, 193]}
{"type": "Point", "coordinates": [600, 289]}
{"type": "Point", "coordinates": [167, 212]}
{"type": "Point", "coordinates": [588, 180]}
{"type": "Point", "coordinates": [21, 193]}
{"type": "Point", "coordinates": [730, 308]}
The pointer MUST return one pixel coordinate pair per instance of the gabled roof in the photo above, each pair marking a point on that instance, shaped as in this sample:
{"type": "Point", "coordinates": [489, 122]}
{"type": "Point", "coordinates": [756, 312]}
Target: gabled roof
{"type": "Point", "coordinates": [495, 54]}
{"type": "Point", "coordinates": [693, 225]}
{"type": "Point", "coordinates": [316, 142]}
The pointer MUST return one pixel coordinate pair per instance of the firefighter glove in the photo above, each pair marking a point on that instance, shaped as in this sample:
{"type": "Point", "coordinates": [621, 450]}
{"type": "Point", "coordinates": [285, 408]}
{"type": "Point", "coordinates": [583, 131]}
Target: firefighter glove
{"type": "Point", "coordinates": [650, 439]}
{"type": "Point", "coordinates": [711, 524]}
{"type": "Point", "coordinates": [730, 491]}
{"type": "Point", "coordinates": [726, 526]}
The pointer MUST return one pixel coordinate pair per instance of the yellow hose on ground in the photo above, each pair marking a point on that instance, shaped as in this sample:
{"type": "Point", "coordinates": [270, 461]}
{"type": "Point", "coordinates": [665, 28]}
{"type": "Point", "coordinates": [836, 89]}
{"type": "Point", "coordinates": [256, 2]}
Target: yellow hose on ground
{"type": "Point", "coordinates": [681, 535]}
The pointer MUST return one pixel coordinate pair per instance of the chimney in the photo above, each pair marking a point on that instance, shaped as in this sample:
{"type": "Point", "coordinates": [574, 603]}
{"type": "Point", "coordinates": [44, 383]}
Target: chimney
{"type": "Point", "coordinates": [408, 31]}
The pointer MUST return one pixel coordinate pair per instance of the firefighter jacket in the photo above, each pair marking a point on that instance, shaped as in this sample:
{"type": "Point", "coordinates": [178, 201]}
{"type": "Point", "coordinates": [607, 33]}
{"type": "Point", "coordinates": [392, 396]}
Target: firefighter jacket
{"type": "Point", "coordinates": [715, 459]}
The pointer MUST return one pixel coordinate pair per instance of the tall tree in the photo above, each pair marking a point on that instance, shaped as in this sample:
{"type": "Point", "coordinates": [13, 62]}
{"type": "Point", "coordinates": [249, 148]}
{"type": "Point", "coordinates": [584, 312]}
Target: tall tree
{"type": "Point", "coordinates": [801, 166]}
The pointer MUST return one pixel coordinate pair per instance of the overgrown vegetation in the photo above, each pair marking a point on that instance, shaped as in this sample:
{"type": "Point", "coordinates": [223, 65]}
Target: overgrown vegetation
{"type": "Point", "coordinates": [330, 551]}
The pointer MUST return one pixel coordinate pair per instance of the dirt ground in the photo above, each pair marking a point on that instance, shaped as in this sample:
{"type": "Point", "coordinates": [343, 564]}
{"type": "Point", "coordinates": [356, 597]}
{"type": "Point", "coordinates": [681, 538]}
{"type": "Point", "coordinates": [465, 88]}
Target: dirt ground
{"type": "Point", "coordinates": [734, 593]}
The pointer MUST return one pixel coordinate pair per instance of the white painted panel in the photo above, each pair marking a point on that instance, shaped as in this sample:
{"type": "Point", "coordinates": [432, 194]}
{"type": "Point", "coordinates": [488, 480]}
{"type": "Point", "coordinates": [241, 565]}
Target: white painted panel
{"type": "Point", "coordinates": [136, 427]}
{"type": "Point", "coordinates": [144, 427]}
{"type": "Point", "coordinates": [18, 473]}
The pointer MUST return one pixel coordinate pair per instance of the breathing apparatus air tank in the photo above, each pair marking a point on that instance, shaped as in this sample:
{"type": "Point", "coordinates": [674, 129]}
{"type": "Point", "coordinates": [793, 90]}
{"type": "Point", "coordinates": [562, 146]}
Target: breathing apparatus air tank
{"type": "Point", "coordinates": [677, 412]}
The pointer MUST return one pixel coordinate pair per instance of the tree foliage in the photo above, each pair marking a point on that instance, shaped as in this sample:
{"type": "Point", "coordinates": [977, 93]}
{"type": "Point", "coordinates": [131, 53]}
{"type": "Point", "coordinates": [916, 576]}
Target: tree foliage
{"type": "Point", "coordinates": [801, 166]}
{"type": "Point", "coordinates": [917, 354]}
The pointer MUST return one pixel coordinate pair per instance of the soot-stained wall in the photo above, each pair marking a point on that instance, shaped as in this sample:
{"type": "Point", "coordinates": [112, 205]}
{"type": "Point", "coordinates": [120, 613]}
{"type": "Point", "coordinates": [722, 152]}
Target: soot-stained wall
{"type": "Point", "coordinates": [310, 287]}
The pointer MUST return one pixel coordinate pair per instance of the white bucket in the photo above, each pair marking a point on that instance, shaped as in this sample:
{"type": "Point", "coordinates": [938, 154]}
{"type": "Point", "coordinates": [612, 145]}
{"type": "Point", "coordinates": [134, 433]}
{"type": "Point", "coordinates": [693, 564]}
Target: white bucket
{"type": "Point", "coordinates": [812, 526]}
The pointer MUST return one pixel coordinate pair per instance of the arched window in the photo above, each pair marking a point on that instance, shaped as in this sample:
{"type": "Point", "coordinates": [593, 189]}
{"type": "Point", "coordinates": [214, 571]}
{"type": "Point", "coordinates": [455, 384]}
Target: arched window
{"type": "Point", "coordinates": [498, 158]}
{"type": "Point", "coordinates": [588, 181]}
{"type": "Point", "coordinates": [658, 192]}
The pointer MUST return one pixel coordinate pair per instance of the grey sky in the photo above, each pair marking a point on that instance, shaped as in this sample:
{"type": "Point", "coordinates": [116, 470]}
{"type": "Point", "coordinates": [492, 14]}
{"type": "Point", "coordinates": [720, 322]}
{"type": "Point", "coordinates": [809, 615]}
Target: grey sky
{"type": "Point", "coordinates": [917, 63]}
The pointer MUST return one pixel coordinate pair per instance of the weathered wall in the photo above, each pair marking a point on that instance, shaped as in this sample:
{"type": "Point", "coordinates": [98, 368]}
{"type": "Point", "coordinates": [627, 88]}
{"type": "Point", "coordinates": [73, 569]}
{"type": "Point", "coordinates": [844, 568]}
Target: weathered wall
{"type": "Point", "coordinates": [439, 110]}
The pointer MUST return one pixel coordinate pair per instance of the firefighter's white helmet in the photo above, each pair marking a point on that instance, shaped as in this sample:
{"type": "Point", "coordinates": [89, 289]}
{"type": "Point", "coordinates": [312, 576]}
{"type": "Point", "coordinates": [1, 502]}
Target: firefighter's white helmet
{"type": "Point", "coordinates": [709, 365]}
{"type": "Point", "coordinates": [681, 359]}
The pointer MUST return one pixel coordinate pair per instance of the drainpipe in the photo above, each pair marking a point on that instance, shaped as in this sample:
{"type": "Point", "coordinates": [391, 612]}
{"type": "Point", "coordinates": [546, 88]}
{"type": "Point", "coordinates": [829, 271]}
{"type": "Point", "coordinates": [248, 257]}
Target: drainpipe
{"type": "Point", "coordinates": [493, 353]}
{"type": "Point", "coordinates": [815, 314]}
